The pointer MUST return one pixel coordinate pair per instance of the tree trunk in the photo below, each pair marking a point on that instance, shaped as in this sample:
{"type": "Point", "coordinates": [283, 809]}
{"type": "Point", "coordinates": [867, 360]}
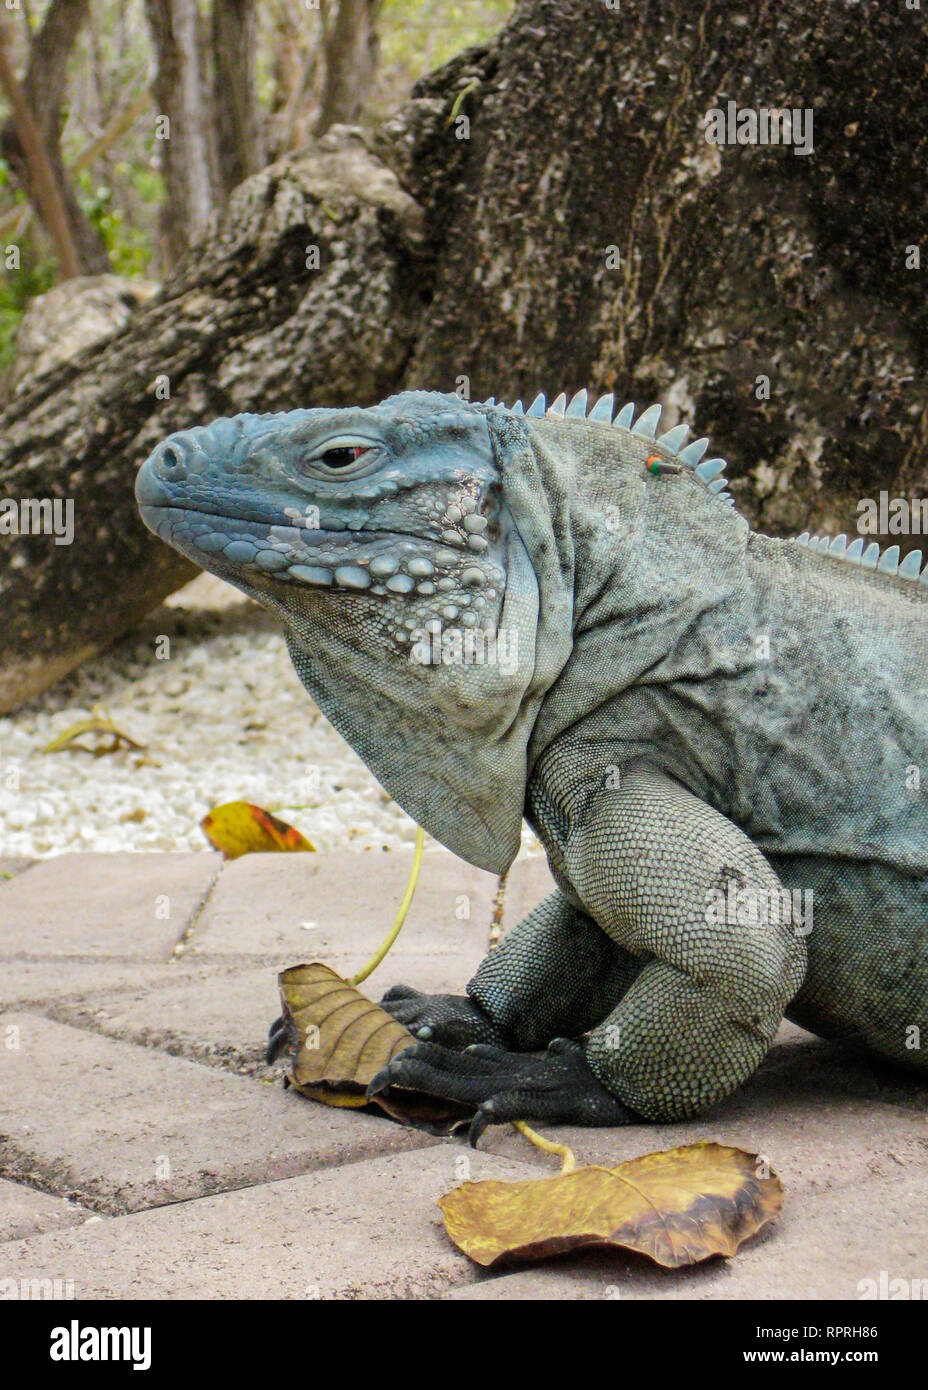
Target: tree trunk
{"type": "Point", "coordinates": [182, 95]}
{"type": "Point", "coordinates": [564, 223]}
{"type": "Point", "coordinates": [238, 125]}
{"type": "Point", "coordinates": [350, 50]}
{"type": "Point", "coordinates": [39, 174]}
{"type": "Point", "coordinates": [733, 266]}
{"type": "Point", "coordinates": [44, 86]}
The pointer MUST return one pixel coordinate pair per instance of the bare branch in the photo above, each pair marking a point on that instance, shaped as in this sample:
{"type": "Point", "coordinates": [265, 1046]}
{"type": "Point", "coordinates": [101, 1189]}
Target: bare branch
{"type": "Point", "coordinates": [42, 179]}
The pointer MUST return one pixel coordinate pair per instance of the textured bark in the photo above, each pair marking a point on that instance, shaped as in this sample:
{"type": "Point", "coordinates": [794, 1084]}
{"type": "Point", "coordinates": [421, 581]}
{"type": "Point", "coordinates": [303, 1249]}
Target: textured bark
{"type": "Point", "coordinates": [181, 92]}
{"type": "Point", "coordinates": [735, 261]}
{"type": "Point", "coordinates": [44, 85]}
{"type": "Point", "coordinates": [238, 125]}
{"type": "Point", "coordinates": [350, 51]}
{"type": "Point", "coordinates": [584, 133]}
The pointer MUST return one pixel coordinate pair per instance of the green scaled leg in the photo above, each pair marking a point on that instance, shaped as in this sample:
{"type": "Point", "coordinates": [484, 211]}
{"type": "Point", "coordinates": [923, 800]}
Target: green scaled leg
{"type": "Point", "coordinates": [661, 872]}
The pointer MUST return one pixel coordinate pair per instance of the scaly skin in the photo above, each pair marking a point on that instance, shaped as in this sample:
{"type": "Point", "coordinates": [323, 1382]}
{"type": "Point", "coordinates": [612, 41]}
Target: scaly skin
{"type": "Point", "coordinates": [693, 717]}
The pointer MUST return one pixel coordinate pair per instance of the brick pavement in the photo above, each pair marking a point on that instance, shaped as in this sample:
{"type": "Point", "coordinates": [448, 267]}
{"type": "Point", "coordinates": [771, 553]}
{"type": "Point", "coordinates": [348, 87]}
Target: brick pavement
{"type": "Point", "coordinates": [147, 1151]}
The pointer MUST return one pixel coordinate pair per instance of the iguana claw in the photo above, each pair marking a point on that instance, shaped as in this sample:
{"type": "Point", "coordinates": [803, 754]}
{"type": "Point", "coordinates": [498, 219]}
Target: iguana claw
{"type": "Point", "coordinates": [281, 1035]}
{"type": "Point", "coordinates": [557, 1086]}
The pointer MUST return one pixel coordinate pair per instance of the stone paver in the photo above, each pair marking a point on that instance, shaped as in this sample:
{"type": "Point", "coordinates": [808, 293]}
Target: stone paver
{"type": "Point", "coordinates": [134, 905]}
{"type": "Point", "coordinates": [211, 1014]}
{"type": "Point", "coordinates": [118, 1089]}
{"type": "Point", "coordinates": [25, 1212]}
{"type": "Point", "coordinates": [131, 1127]}
{"type": "Point", "coordinates": [261, 900]}
{"type": "Point", "coordinates": [50, 979]}
{"type": "Point", "coordinates": [201, 1012]}
{"type": "Point", "coordinates": [11, 865]}
{"type": "Point", "coordinates": [368, 1229]}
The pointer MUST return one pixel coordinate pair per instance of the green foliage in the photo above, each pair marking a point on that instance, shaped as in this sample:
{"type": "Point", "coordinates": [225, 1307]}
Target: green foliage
{"type": "Point", "coordinates": [130, 245]}
{"type": "Point", "coordinates": [17, 287]}
{"type": "Point", "coordinates": [426, 33]}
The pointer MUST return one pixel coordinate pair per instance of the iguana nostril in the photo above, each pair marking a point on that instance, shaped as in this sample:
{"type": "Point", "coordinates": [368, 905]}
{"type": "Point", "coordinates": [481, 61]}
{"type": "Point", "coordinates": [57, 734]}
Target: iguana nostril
{"type": "Point", "coordinates": [186, 453]}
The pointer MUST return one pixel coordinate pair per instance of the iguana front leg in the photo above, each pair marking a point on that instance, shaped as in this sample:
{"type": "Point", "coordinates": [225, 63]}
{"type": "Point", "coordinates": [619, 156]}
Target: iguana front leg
{"type": "Point", "coordinates": [653, 866]}
{"type": "Point", "coordinates": [662, 872]}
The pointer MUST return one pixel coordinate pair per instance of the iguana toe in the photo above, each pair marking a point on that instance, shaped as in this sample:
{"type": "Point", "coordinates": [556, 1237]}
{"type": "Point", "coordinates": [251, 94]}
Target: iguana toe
{"type": "Point", "coordinates": [558, 1086]}
{"type": "Point", "coordinates": [453, 1020]}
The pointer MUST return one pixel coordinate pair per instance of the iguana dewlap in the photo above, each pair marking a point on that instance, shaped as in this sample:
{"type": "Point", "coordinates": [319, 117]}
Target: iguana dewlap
{"type": "Point", "coordinates": [555, 614]}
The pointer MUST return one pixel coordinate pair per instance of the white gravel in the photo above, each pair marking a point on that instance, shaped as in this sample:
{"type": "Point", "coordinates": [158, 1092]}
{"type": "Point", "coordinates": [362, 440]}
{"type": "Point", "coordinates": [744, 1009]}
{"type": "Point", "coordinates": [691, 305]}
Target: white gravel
{"type": "Point", "coordinates": [225, 718]}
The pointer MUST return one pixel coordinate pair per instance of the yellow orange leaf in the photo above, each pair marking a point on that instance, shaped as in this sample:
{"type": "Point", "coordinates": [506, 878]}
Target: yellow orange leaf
{"type": "Point", "coordinates": [678, 1206]}
{"type": "Point", "coordinates": [238, 828]}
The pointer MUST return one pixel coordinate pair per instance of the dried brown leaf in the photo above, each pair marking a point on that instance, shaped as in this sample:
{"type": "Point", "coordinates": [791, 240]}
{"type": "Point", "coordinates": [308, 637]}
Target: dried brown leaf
{"type": "Point", "coordinates": [108, 737]}
{"type": "Point", "coordinates": [678, 1207]}
{"type": "Point", "coordinates": [343, 1040]}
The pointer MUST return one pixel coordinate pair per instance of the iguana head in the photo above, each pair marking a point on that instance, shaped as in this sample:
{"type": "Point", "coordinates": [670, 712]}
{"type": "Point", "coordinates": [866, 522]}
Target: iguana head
{"type": "Point", "coordinates": [382, 539]}
{"type": "Point", "coordinates": [379, 521]}
{"type": "Point", "coordinates": [441, 567]}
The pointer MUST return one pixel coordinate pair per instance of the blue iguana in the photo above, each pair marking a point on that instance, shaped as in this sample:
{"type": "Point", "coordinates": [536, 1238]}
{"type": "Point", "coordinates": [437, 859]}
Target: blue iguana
{"type": "Point", "coordinates": [555, 614]}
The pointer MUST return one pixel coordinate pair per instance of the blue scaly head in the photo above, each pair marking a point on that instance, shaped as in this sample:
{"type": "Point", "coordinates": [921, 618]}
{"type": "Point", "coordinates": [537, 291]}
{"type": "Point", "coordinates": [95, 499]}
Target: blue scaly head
{"type": "Point", "coordinates": [382, 539]}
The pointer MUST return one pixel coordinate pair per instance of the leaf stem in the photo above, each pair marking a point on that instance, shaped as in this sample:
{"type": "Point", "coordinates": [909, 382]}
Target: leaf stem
{"type": "Point", "coordinates": [548, 1146]}
{"type": "Point", "coordinates": [394, 931]}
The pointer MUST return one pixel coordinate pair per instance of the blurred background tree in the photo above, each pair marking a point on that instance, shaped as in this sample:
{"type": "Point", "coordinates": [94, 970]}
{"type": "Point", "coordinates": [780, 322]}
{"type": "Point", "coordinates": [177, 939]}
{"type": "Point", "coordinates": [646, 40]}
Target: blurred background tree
{"type": "Point", "coordinates": [241, 83]}
{"type": "Point", "coordinates": [466, 241]}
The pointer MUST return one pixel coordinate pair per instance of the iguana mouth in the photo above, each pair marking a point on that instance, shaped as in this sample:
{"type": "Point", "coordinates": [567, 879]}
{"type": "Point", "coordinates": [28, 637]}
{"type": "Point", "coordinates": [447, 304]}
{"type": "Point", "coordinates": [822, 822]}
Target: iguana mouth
{"type": "Point", "coordinates": [383, 562]}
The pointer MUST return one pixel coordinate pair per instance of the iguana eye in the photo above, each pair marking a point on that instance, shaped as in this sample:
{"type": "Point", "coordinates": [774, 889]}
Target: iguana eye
{"type": "Point", "coordinates": [343, 456]}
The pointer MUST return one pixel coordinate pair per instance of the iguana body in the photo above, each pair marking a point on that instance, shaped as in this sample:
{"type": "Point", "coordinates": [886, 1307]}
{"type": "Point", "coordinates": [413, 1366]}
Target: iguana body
{"type": "Point", "coordinates": [692, 716]}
